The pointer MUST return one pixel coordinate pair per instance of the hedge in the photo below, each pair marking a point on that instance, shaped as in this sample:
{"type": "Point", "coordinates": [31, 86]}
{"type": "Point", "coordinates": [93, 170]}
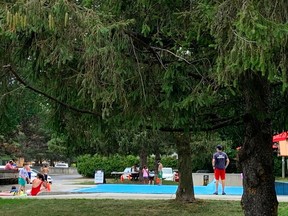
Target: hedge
{"type": "Point", "coordinates": [87, 164]}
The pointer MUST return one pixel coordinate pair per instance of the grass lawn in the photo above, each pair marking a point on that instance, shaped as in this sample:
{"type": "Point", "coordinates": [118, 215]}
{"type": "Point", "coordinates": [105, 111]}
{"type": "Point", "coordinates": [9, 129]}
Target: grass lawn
{"type": "Point", "coordinates": [281, 179]}
{"type": "Point", "coordinates": [108, 207]}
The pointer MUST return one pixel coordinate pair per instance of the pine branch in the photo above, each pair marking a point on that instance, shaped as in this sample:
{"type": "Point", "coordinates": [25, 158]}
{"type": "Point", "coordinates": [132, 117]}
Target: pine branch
{"type": "Point", "coordinates": [152, 49]}
{"type": "Point", "coordinates": [217, 125]}
{"type": "Point", "coordinates": [20, 80]}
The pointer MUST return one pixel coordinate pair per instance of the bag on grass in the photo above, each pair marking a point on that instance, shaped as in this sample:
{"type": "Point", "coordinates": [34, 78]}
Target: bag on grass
{"type": "Point", "coordinates": [48, 187]}
{"type": "Point", "coordinates": [157, 180]}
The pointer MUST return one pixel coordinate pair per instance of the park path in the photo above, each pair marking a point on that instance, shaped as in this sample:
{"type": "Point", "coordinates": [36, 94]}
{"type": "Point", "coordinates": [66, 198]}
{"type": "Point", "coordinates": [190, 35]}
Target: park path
{"type": "Point", "coordinates": [63, 185]}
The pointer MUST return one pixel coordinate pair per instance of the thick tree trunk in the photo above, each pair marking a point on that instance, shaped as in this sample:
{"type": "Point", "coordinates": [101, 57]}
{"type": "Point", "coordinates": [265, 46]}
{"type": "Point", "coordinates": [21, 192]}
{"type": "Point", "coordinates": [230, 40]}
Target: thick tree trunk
{"type": "Point", "coordinates": [185, 191]}
{"type": "Point", "coordinates": [256, 155]}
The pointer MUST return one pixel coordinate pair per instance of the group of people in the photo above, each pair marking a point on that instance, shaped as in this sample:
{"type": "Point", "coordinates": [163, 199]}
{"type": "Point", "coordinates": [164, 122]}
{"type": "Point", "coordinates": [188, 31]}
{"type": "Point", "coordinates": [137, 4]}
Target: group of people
{"type": "Point", "coordinates": [147, 178]}
{"type": "Point", "coordinates": [220, 162]}
{"type": "Point", "coordinates": [39, 184]}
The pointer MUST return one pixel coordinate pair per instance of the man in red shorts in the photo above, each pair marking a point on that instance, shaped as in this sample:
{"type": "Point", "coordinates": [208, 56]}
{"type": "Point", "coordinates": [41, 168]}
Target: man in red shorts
{"type": "Point", "coordinates": [220, 162]}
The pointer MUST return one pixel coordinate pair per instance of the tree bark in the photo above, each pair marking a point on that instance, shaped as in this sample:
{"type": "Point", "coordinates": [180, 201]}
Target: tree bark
{"type": "Point", "coordinates": [256, 155]}
{"type": "Point", "coordinates": [185, 191]}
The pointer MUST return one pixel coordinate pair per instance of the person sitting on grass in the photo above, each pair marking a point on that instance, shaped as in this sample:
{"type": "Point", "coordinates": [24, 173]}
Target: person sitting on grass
{"type": "Point", "coordinates": [37, 184]}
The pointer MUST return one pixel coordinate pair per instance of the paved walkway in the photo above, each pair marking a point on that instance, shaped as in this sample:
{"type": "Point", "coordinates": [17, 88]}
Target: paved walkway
{"type": "Point", "coordinates": [62, 190]}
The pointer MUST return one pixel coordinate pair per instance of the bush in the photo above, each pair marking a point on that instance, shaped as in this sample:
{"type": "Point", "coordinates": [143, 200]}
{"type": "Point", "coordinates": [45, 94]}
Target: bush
{"type": "Point", "coordinates": [169, 162]}
{"type": "Point", "coordinates": [87, 164]}
{"type": "Point", "coordinates": [277, 166]}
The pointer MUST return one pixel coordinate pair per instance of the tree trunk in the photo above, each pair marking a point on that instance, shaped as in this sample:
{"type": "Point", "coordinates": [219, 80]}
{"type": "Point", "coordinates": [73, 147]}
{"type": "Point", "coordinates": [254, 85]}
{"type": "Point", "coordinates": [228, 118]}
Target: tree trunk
{"type": "Point", "coordinates": [256, 154]}
{"type": "Point", "coordinates": [185, 191]}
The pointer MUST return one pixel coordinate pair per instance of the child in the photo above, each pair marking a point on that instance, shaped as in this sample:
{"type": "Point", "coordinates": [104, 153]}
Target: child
{"type": "Point", "coordinates": [145, 173]}
{"type": "Point", "coordinates": [23, 175]}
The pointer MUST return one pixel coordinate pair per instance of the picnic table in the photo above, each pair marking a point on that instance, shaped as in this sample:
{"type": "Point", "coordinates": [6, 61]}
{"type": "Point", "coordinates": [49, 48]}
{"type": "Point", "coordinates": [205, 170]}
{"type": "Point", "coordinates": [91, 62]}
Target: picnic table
{"type": "Point", "coordinates": [134, 175]}
{"type": "Point", "coordinates": [116, 175]}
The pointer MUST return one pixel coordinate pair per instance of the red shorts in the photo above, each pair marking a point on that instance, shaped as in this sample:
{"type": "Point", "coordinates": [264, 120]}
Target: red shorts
{"type": "Point", "coordinates": [219, 173]}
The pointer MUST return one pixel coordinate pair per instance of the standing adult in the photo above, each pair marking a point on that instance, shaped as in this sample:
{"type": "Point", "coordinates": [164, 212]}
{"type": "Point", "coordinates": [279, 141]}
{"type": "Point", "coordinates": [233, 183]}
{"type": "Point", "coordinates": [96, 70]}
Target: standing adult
{"type": "Point", "coordinates": [220, 162]}
{"type": "Point", "coordinates": [45, 171]}
{"type": "Point", "coordinates": [23, 176]}
{"type": "Point", "coordinates": [160, 172]}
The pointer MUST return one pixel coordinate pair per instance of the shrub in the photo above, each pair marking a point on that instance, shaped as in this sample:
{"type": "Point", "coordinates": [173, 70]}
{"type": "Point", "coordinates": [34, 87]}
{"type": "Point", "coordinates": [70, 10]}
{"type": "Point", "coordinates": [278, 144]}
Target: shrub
{"type": "Point", "coordinates": [87, 164]}
{"type": "Point", "coordinates": [277, 166]}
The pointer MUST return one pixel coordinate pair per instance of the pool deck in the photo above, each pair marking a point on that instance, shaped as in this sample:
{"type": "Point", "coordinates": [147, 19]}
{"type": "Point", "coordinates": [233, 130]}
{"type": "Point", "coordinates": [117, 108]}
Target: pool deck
{"type": "Point", "coordinates": [66, 188]}
{"type": "Point", "coordinates": [133, 196]}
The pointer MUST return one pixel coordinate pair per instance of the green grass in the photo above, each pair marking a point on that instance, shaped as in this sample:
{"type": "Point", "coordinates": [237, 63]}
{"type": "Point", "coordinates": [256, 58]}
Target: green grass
{"type": "Point", "coordinates": [119, 207]}
{"type": "Point", "coordinates": [109, 207]}
{"type": "Point", "coordinates": [281, 179]}
{"type": "Point", "coordinates": [85, 183]}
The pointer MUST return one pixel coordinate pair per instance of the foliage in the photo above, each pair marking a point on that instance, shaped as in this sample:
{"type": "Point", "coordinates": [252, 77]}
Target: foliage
{"type": "Point", "coordinates": [173, 66]}
{"type": "Point", "coordinates": [87, 164]}
{"type": "Point", "coordinates": [251, 39]}
{"type": "Point", "coordinates": [125, 71]}
{"type": "Point", "coordinates": [252, 47]}
{"type": "Point", "coordinates": [60, 57]}
{"type": "Point", "coordinates": [57, 147]}
{"type": "Point", "coordinates": [169, 161]}
{"type": "Point", "coordinates": [107, 65]}
{"type": "Point", "coordinates": [277, 166]}
{"type": "Point", "coordinates": [24, 134]}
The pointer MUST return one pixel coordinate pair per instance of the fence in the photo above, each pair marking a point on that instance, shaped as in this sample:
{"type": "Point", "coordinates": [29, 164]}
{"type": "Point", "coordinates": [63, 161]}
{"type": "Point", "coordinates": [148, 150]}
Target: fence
{"type": "Point", "coordinates": [232, 179]}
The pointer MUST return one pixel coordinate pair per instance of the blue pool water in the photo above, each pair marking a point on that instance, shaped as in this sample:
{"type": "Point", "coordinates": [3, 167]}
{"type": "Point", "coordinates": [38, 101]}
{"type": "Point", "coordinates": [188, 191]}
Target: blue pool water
{"type": "Point", "coordinates": [156, 189]}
